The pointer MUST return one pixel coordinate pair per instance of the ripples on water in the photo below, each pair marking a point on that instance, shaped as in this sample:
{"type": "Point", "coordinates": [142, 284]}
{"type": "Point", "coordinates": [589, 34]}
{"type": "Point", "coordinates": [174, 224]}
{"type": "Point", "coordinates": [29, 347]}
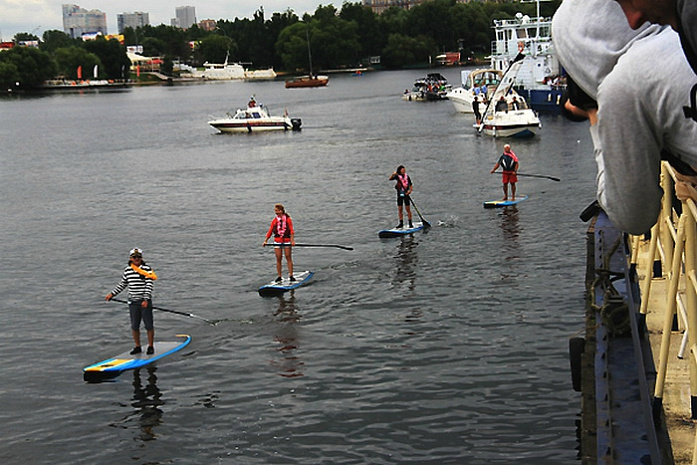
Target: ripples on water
{"type": "Point", "coordinates": [446, 347]}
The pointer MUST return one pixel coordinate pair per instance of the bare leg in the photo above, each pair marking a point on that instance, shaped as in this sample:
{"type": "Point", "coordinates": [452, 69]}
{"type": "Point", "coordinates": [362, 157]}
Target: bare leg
{"type": "Point", "coordinates": [151, 337]}
{"type": "Point", "coordinates": [513, 191]}
{"type": "Point", "coordinates": [289, 261]}
{"type": "Point", "coordinates": [408, 207]}
{"type": "Point", "coordinates": [505, 191]}
{"type": "Point", "coordinates": [136, 337]}
{"type": "Point", "coordinates": [279, 261]}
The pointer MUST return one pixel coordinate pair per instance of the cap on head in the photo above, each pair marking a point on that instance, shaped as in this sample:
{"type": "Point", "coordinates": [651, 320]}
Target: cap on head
{"type": "Point", "coordinates": [136, 252]}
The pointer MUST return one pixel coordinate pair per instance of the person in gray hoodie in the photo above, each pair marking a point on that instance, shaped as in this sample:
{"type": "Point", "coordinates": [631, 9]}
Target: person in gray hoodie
{"type": "Point", "coordinates": [641, 86]}
{"type": "Point", "coordinates": [681, 15]}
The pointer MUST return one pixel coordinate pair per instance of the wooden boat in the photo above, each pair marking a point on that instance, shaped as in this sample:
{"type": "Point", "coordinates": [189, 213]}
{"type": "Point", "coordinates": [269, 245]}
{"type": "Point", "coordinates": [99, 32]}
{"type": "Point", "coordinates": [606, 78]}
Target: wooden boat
{"type": "Point", "coordinates": [307, 81]}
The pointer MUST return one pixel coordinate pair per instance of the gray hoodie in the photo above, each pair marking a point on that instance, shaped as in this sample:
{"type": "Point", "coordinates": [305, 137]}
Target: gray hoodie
{"type": "Point", "coordinates": [641, 81]}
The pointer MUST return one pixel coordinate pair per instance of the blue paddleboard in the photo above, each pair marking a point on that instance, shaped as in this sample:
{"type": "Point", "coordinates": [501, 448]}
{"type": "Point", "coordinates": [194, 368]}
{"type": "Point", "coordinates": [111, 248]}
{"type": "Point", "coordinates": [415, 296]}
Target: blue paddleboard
{"type": "Point", "coordinates": [394, 232]}
{"type": "Point", "coordinates": [503, 203]}
{"type": "Point", "coordinates": [114, 366]}
{"type": "Point", "coordinates": [278, 288]}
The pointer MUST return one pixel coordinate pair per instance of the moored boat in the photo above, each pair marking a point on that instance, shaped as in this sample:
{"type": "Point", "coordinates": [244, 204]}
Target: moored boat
{"type": "Point", "coordinates": [481, 82]}
{"type": "Point", "coordinates": [433, 87]}
{"type": "Point", "coordinates": [235, 71]}
{"type": "Point", "coordinates": [254, 119]}
{"type": "Point", "coordinates": [507, 114]}
{"type": "Point", "coordinates": [307, 81]}
{"type": "Point", "coordinates": [538, 79]}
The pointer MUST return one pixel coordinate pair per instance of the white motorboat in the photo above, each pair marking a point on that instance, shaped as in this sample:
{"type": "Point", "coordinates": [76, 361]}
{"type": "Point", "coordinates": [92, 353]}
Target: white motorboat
{"type": "Point", "coordinates": [538, 79]}
{"type": "Point", "coordinates": [433, 87]}
{"type": "Point", "coordinates": [502, 117]}
{"type": "Point", "coordinates": [473, 83]}
{"type": "Point", "coordinates": [255, 119]}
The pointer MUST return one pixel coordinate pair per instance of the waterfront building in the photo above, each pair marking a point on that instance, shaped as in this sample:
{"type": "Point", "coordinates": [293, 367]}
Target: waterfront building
{"type": "Point", "coordinates": [379, 6]}
{"type": "Point", "coordinates": [132, 20]}
{"type": "Point", "coordinates": [208, 24]}
{"type": "Point", "coordinates": [78, 21]}
{"type": "Point", "coordinates": [185, 17]}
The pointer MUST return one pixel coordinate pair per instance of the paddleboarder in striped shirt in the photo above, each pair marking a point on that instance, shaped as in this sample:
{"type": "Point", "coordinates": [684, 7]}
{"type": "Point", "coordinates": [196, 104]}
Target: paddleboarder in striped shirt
{"type": "Point", "coordinates": [138, 278]}
{"type": "Point", "coordinates": [282, 231]}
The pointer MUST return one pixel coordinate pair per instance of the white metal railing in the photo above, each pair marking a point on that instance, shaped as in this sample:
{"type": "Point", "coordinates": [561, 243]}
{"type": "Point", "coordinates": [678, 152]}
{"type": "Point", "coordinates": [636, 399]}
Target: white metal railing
{"type": "Point", "coordinates": [673, 246]}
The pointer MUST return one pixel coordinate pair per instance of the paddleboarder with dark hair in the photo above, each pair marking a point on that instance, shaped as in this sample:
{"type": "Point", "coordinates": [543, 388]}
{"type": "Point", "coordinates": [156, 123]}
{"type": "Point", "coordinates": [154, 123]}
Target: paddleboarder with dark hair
{"type": "Point", "coordinates": [509, 163]}
{"type": "Point", "coordinates": [283, 233]}
{"type": "Point", "coordinates": [138, 278]}
{"type": "Point", "coordinates": [404, 188]}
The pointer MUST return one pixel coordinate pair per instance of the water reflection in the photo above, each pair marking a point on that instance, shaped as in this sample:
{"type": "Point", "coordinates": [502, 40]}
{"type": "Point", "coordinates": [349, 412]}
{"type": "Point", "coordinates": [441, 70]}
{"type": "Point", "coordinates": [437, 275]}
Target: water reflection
{"type": "Point", "coordinates": [286, 335]}
{"type": "Point", "coordinates": [405, 263]}
{"type": "Point", "coordinates": [510, 228]}
{"type": "Point", "coordinates": [147, 399]}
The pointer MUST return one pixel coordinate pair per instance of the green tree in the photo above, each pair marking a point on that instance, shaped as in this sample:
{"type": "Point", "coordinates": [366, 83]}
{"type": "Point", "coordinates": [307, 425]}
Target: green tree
{"type": "Point", "coordinates": [32, 65]}
{"type": "Point", "coordinates": [403, 50]}
{"type": "Point", "coordinates": [55, 39]}
{"type": "Point", "coordinates": [9, 75]}
{"type": "Point", "coordinates": [370, 36]}
{"type": "Point", "coordinates": [112, 56]}
{"type": "Point", "coordinates": [214, 49]}
{"type": "Point", "coordinates": [69, 59]}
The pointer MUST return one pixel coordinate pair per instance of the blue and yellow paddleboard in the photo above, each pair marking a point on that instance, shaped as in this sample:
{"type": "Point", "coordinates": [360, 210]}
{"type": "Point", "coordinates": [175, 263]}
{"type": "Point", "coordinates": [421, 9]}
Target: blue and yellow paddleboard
{"type": "Point", "coordinates": [396, 232]}
{"type": "Point", "coordinates": [278, 288]}
{"type": "Point", "coordinates": [114, 366]}
{"type": "Point", "coordinates": [503, 203]}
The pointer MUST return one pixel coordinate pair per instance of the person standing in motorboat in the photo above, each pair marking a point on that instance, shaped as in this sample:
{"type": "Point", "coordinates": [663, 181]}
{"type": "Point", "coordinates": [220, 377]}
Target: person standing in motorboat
{"type": "Point", "coordinates": [404, 188]}
{"type": "Point", "coordinates": [284, 237]}
{"type": "Point", "coordinates": [138, 277]}
{"type": "Point", "coordinates": [509, 163]}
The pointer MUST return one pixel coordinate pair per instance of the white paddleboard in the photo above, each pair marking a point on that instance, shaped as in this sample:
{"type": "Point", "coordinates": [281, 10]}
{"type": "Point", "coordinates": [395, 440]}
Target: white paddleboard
{"type": "Point", "coordinates": [114, 366]}
{"type": "Point", "coordinates": [277, 288]}
{"type": "Point", "coordinates": [394, 232]}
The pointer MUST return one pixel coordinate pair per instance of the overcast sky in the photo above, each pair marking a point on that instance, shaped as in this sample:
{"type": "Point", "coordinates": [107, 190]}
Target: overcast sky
{"type": "Point", "coordinates": [38, 16]}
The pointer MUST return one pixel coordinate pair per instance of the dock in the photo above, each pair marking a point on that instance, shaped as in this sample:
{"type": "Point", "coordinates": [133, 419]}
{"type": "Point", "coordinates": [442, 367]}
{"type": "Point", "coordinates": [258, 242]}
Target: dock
{"type": "Point", "coordinates": [636, 367]}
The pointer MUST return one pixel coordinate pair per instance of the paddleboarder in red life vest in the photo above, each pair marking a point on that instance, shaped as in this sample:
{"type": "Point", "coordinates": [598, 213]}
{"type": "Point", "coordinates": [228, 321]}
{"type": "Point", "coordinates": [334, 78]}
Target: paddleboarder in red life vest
{"type": "Point", "coordinates": [404, 188]}
{"type": "Point", "coordinates": [282, 231]}
{"type": "Point", "coordinates": [138, 278]}
{"type": "Point", "coordinates": [509, 163]}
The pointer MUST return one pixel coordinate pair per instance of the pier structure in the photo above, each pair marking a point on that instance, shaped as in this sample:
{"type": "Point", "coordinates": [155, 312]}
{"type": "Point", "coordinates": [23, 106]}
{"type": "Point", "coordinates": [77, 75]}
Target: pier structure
{"type": "Point", "coordinates": [637, 365]}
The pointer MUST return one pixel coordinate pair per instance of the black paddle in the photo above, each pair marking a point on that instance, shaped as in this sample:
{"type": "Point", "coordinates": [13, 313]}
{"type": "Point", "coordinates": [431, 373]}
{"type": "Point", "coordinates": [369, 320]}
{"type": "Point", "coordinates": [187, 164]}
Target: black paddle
{"type": "Point", "coordinates": [552, 178]}
{"type": "Point", "coordinates": [190, 315]}
{"type": "Point", "coordinates": [423, 220]}
{"type": "Point", "coordinates": [274, 244]}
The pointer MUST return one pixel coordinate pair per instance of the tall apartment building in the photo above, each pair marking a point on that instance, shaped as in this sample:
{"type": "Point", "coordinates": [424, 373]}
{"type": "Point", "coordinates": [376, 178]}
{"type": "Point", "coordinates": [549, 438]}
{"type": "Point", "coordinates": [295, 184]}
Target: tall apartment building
{"type": "Point", "coordinates": [132, 20]}
{"type": "Point", "coordinates": [78, 21]}
{"type": "Point", "coordinates": [185, 17]}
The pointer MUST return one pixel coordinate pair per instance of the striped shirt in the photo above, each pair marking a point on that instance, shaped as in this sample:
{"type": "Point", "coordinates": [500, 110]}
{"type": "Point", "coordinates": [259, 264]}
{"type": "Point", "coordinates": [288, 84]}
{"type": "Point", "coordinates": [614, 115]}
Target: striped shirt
{"type": "Point", "coordinates": [139, 287]}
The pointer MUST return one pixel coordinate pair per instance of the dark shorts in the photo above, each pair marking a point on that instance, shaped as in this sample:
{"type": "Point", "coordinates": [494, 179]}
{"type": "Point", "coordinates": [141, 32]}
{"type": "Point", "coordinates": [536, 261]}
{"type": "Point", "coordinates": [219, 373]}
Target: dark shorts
{"type": "Point", "coordinates": [139, 313]}
{"type": "Point", "coordinates": [510, 177]}
{"type": "Point", "coordinates": [403, 200]}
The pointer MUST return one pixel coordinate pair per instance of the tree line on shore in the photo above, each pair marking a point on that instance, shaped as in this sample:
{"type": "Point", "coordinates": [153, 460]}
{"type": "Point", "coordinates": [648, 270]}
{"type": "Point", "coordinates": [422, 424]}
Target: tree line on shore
{"type": "Point", "coordinates": [337, 38]}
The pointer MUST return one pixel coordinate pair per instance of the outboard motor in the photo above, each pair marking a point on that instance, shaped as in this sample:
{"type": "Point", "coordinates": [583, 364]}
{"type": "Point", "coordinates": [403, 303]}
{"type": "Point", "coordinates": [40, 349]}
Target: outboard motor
{"type": "Point", "coordinates": [296, 122]}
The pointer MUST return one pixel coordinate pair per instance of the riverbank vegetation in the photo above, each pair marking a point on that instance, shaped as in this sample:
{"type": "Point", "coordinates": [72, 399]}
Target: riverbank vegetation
{"type": "Point", "coordinates": [339, 38]}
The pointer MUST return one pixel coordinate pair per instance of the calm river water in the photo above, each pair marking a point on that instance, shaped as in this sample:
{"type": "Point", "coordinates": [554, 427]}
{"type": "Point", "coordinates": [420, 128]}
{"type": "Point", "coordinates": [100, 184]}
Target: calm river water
{"type": "Point", "coordinates": [449, 347]}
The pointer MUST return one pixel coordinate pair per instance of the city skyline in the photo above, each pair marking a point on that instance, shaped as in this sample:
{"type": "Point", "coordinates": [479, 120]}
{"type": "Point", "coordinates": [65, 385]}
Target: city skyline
{"type": "Point", "coordinates": [38, 16]}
